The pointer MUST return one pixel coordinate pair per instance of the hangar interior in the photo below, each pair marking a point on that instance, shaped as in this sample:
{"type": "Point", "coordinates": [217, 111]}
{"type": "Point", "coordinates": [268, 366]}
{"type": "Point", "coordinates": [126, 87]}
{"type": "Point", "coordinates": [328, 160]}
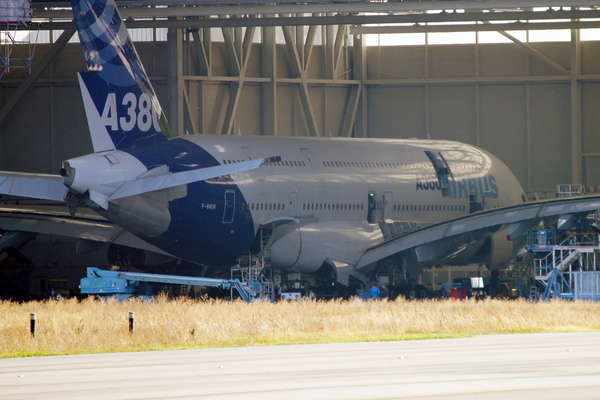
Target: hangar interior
{"type": "Point", "coordinates": [522, 81]}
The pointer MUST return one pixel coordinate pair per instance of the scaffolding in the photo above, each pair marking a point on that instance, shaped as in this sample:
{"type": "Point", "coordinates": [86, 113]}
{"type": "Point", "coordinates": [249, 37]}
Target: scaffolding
{"type": "Point", "coordinates": [569, 269]}
{"type": "Point", "coordinates": [16, 33]}
{"type": "Point", "coordinates": [570, 189]}
{"type": "Point", "coordinates": [252, 272]}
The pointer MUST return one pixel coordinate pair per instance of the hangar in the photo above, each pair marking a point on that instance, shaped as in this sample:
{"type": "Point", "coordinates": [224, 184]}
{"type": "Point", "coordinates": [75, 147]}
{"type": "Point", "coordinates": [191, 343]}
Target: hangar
{"type": "Point", "coordinates": [520, 80]}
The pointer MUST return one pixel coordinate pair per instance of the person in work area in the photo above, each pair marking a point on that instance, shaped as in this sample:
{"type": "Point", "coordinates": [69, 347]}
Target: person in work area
{"type": "Point", "coordinates": [385, 292]}
{"type": "Point", "coordinates": [374, 292]}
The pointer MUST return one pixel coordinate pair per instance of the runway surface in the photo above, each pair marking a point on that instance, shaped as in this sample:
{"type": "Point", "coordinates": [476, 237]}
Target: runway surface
{"type": "Point", "coordinates": [534, 366]}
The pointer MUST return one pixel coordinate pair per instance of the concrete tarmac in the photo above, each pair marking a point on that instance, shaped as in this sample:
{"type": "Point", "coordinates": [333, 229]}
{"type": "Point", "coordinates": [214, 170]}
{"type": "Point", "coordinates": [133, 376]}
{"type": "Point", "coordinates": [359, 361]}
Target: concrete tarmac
{"type": "Point", "coordinates": [531, 366]}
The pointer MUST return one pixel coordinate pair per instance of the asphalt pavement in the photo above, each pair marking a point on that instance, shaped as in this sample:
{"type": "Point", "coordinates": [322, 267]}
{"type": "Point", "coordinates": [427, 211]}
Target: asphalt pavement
{"type": "Point", "coordinates": [524, 366]}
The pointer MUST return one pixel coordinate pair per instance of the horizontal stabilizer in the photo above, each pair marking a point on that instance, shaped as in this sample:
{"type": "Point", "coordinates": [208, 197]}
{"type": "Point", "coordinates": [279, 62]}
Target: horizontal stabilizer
{"type": "Point", "coordinates": [155, 183]}
{"type": "Point", "coordinates": [56, 220]}
{"type": "Point", "coordinates": [35, 186]}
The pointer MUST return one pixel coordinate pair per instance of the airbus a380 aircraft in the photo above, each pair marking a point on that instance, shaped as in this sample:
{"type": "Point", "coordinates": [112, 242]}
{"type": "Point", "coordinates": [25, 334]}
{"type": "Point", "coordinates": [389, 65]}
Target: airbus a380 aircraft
{"type": "Point", "coordinates": [315, 204]}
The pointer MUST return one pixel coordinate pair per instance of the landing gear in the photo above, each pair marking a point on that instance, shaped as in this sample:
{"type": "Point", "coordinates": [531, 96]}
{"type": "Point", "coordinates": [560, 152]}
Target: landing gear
{"type": "Point", "coordinates": [411, 292]}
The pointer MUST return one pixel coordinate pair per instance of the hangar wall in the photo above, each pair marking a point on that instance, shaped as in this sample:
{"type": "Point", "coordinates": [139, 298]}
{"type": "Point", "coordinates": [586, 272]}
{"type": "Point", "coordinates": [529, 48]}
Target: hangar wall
{"type": "Point", "coordinates": [500, 97]}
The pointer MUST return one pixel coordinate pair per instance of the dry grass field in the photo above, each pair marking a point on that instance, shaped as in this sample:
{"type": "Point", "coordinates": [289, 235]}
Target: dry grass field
{"type": "Point", "coordinates": [67, 327]}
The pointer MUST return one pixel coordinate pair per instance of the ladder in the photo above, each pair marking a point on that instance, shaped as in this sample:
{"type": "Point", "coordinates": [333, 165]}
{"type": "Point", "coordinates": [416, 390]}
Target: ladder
{"type": "Point", "coordinates": [560, 268]}
{"type": "Point", "coordinates": [250, 270]}
{"type": "Point", "coordinates": [533, 293]}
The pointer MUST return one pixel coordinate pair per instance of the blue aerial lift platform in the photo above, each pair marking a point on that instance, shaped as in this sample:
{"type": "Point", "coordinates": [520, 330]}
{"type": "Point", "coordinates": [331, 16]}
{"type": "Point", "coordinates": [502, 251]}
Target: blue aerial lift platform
{"type": "Point", "coordinates": [122, 285]}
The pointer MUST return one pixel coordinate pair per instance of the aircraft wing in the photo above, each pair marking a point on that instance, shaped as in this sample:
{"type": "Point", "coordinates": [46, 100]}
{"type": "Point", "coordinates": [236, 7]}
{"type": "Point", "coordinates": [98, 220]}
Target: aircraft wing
{"type": "Point", "coordinates": [35, 186]}
{"type": "Point", "coordinates": [56, 220]}
{"type": "Point", "coordinates": [434, 240]}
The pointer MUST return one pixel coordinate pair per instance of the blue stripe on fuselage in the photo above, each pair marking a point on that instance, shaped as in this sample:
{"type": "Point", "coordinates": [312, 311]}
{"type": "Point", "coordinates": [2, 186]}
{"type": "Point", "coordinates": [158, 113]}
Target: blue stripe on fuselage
{"type": "Point", "coordinates": [197, 233]}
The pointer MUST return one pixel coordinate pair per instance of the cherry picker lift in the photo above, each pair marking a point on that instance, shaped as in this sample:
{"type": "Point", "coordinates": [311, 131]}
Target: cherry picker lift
{"type": "Point", "coordinates": [123, 285]}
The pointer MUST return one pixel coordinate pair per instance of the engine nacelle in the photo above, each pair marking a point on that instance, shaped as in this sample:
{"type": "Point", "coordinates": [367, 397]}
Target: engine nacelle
{"type": "Point", "coordinates": [297, 251]}
{"type": "Point", "coordinates": [306, 249]}
{"type": "Point", "coordinates": [502, 251]}
{"type": "Point", "coordinates": [102, 172]}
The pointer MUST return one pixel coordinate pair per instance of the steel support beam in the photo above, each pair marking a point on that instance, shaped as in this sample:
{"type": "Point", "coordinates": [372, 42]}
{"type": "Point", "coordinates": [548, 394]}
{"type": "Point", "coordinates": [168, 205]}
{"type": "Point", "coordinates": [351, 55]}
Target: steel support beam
{"type": "Point", "coordinates": [300, 43]}
{"type": "Point", "coordinates": [360, 73]}
{"type": "Point", "coordinates": [176, 84]}
{"type": "Point", "coordinates": [235, 88]}
{"type": "Point", "coordinates": [31, 79]}
{"type": "Point", "coordinates": [309, 45]}
{"type": "Point", "coordinates": [350, 9]}
{"type": "Point", "coordinates": [511, 26]}
{"type": "Point", "coordinates": [339, 42]}
{"type": "Point", "coordinates": [299, 72]}
{"type": "Point", "coordinates": [202, 44]}
{"type": "Point", "coordinates": [202, 48]}
{"type": "Point", "coordinates": [188, 107]}
{"type": "Point", "coordinates": [328, 50]}
{"type": "Point", "coordinates": [268, 96]}
{"type": "Point", "coordinates": [400, 26]}
{"type": "Point", "coordinates": [349, 115]}
{"type": "Point", "coordinates": [535, 52]}
{"type": "Point", "coordinates": [576, 131]}
{"type": "Point", "coordinates": [233, 62]}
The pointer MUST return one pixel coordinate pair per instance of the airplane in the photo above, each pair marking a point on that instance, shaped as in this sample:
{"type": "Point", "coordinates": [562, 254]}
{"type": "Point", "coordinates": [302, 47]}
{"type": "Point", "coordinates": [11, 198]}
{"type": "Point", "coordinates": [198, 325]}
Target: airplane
{"type": "Point", "coordinates": [338, 208]}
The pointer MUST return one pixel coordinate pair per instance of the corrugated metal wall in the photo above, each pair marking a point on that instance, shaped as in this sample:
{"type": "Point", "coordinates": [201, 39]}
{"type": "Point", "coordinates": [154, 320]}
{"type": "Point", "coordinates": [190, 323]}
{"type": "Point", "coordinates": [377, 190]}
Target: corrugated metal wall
{"type": "Point", "coordinates": [497, 96]}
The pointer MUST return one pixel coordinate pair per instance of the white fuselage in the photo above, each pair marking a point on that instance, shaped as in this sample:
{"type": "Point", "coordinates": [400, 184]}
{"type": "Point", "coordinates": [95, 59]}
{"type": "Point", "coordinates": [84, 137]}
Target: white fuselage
{"type": "Point", "coordinates": [329, 180]}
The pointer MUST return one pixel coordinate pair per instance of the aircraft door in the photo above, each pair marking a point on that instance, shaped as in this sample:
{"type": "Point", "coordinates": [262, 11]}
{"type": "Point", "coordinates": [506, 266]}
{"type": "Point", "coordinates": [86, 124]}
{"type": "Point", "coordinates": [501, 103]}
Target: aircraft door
{"type": "Point", "coordinates": [371, 207]}
{"type": "Point", "coordinates": [388, 203]}
{"type": "Point", "coordinates": [229, 212]}
{"type": "Point", "coordinates": [293, 203]}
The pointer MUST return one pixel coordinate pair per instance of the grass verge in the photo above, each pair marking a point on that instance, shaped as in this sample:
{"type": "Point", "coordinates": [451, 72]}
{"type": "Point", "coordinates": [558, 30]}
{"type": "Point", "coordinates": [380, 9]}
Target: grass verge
{"type": "Point", "coordinates": [71, 327]}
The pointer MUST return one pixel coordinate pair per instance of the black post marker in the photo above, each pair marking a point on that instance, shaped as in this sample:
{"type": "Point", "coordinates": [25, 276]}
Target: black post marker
{"type": "Point", "coordinates": [131, 321]}
{"type": "Point", "coordinates": [32, 324]}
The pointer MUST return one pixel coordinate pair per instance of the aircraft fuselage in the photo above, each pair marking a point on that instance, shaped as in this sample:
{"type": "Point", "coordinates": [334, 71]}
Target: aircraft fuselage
{"type": "Point", "coordinates": [324, 180]}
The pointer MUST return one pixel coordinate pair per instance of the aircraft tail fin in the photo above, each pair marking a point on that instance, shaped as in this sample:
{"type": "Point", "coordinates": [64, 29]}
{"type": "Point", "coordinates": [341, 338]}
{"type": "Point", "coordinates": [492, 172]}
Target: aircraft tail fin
{"type": "Point", "coordinates": [120, 103]}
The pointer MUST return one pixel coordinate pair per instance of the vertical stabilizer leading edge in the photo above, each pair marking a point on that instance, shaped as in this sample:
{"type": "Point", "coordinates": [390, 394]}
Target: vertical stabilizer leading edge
{"type": "Point", "coordinates": [121, 106]}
